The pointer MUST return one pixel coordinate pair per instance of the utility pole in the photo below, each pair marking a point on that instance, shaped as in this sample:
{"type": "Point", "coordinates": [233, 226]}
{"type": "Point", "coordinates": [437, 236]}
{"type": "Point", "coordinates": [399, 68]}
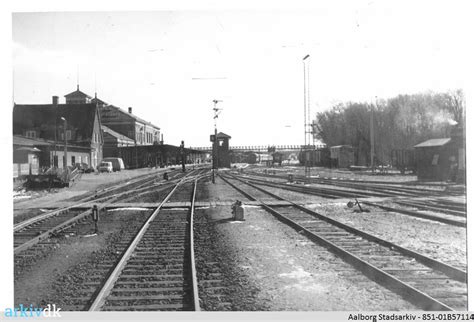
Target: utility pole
{"type": "Point", "coordinates": [65, 143]}
{"type": "Point", "coordinates": [55, 107]}
{"type": "Point", "coordinates": [215, 159]}
{"type": "Point", "coordinates": [183, 156]}
{"type": "Point", "coordinates": [372, 137]}
{"type": "Point", "coordinates": [307, 117]}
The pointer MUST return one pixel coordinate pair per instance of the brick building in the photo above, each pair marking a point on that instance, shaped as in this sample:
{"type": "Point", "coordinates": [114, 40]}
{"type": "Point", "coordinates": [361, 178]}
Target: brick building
{"type": "Point", "coordinates": [75, 124]}
{"type": "Point", "coordinates": [119, 126]}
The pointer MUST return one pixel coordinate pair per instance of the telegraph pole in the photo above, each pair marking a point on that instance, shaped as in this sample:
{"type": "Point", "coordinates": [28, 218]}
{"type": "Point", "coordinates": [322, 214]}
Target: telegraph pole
{"type": "Point", "coordinates": [215, 160]}
{"type": "Point", "coordinates": [372, 138]}
{"type": "Point", "coordinates": [307, 117]}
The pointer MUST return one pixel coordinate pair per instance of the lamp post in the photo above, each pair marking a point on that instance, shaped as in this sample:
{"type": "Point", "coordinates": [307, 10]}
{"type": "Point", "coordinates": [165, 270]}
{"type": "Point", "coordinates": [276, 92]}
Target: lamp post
{"type": "Point", "coordinates": [65, 143]}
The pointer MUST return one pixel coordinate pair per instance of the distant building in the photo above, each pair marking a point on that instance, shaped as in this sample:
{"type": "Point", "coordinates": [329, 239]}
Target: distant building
{"type": "Point", "coordinates": [45, 123]}
{"type": "Point", "coordinates": [437, 159]}
{"type": "Point", "coordinates": [27, 155]}
{"type": "Point", "coordinates": [113, 141]}
{"type": "Point", "coordinates": [77, 97]}
{"type": "Point", "coordinates": [140, 131]}
{"type": "Point", "coordinates": [121, 122]}
{"type": "Point", "coordinates": [223, 153]}
{"type": "Point", "coordinates": [342, 156]}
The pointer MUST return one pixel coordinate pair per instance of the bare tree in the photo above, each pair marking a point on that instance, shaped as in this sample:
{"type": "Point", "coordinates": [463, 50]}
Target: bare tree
{"type": "Point", "coordinates": [454, 102]}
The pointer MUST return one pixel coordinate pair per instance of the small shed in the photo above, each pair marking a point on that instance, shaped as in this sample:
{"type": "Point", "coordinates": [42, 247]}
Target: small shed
{"type": "Point", "coordinates": [436, 159]}
{"type": "Point", "coordinates": [27, 155]}
{"type": "Point", "coordinates": [342, 156]}
{"type": "Point", "coordinates": [223, 152]}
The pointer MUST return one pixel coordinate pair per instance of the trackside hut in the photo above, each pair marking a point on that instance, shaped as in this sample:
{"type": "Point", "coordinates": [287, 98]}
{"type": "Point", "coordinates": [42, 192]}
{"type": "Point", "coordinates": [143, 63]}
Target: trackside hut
{"type": "Point", "coordinates": [342, 156]}
{"type": "Point", "coordinates": [434, 159]}
{"type": "Point", "coordinates": [27, 154]}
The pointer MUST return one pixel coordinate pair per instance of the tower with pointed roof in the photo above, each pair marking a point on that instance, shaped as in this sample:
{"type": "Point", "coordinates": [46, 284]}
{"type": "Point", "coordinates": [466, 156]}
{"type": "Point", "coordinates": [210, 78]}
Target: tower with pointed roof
{"type": "Point", "coordinates": [77, 97]}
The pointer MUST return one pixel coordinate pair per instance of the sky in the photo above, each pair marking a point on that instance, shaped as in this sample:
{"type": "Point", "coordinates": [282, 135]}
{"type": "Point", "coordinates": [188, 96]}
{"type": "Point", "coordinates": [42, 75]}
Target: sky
{"type": "Point", "coordinates": [170, 65]}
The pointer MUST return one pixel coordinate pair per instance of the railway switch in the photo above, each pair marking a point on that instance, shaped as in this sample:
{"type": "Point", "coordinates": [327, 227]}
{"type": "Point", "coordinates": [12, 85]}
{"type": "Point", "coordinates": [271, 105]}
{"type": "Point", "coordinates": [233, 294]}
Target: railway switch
{"type": "Point", "coordinates": [351, 204]}
{"type": "Point", "coordinates": [238, 210]}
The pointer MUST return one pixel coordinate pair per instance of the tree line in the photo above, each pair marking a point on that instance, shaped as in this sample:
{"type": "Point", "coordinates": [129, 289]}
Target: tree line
{"type": "Point", "coordinates": [399, 122]}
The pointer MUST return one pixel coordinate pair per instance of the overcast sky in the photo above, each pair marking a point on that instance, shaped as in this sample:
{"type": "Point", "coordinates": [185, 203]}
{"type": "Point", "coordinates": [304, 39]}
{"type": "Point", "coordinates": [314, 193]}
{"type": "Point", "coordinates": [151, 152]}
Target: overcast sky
{"type": "Point", "coordinates": [170, 65]}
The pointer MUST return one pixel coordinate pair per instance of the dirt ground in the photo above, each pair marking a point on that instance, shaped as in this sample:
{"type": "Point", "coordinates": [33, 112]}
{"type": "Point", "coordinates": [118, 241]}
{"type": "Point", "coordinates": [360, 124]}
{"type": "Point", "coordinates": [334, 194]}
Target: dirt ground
{"type": "Point", "coordinates": [339, 173]}
{"type": "Point", "coordinates": [89, 182]}
{"type": "Point", "coordinates": [268, 265]}
{"type": "Point", "coordinates": [55, 275]}
{"type": "Point", "coordinates": [436, 240]}
{"type": "Point", "coordinates": [290, 272]}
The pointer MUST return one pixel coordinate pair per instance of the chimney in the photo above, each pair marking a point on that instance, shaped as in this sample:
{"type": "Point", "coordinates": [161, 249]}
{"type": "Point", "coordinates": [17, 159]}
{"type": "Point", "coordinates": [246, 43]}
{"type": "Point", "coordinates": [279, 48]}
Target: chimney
{"type": "Point", "coordinates": [130, 110]}
{"type": "Point", "coordinates": [55, 100]}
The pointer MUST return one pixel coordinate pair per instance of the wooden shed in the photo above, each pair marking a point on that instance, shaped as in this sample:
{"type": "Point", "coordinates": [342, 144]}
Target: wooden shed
{"type": "Point", "coordinates": [342, 156]}
{"type": "Point", "coordinates": [435, 159]}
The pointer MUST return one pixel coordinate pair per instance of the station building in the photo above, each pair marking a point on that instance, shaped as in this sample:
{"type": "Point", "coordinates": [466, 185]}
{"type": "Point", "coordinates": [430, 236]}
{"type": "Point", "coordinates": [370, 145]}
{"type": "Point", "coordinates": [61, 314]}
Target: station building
{"type": "Point", "coordinates": [120, 128]}
{"type": "Point", "coordinates": [51, 127]}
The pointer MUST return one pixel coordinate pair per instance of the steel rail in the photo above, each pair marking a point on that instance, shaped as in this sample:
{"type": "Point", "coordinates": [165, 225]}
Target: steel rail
{"type": "Point", "coordinates": [409, 183]}
{"type": "Point", "coordinates": [68, 223]}
{"type": "Point", "coordinates": [112, 198]}
{"type": "Point", "coordinates": [47, 233]}
{"type": "Point", "coordinates": [430, 207]}
{"type": "Point", "coordinates": [419, 215]}
{"type": "Point", "coordinates": [372, 190]}
{"type": "Point", "coordinates": [401, 211]}
{"type": "Point", "coordinates": [108, 285]}
{"type": "Point", "coordinates": [328, 193]}
{"type": "Point", "coordinates": [365, 185]}
{"type": "Point", "coordinates": [449, 270]}
{"type": "Point", "coordinates": [414, 295]}
{"type": "Point", "coordinates": [191, 243]}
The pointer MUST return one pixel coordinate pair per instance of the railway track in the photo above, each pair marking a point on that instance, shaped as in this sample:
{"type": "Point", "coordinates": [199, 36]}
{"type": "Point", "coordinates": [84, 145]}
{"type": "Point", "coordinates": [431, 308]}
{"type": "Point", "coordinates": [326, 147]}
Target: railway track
{"type": "Point", "coordinates": [99, 196]}
{"type": "Point", "coordinates": [425, 282]}
{"type": "Point", "coordinates": [447, 212]}
{"type": "Point", "coordinates": [156, 271]}
{"type": "Point", "coordinates": [376, 187]}
{"type": "Point", "coordinates": [38, 229]}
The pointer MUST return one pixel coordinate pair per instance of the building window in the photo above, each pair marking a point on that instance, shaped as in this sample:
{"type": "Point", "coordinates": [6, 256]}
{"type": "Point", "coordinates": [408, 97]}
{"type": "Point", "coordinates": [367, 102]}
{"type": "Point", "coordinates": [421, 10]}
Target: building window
{"type": "Point", "coordinates": [31, 134]}
{"type": "Point", "coordinates": [68, 134]}
{"type": "Point", "coordinates": [73, 160]}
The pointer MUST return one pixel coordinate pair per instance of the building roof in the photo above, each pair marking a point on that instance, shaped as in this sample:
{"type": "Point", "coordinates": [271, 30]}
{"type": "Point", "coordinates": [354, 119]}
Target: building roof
{"type": "Point", "coordinates": [341, 146]}
{"type": "Point", "coordinates": [116, 134]}
{"type": "Point", "coordinates": [21, 140]}
{"type": "Point", "coordinates": [433, 143]}
{"type": "Point", "coordinates": [99, 101]}
{"type": "Point", "coordinates": [45, 118]}
{"type": "Point", "coordinates": [77, 93]}
{"type": "Point", "coordinates": [222, 135]}
{"type": "Point", "coordinates": [136, 118]}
